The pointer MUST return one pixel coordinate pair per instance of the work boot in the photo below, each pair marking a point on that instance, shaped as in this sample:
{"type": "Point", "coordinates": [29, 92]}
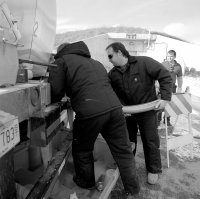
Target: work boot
{"type": "Point", "coordinates": [82, 183]}
{"type": "Point", "coordinates": [84, 169]}
{"type": "Point", "coordinates": [152, 178]}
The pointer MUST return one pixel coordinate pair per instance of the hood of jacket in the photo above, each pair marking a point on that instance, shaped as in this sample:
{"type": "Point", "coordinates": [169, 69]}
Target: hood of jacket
{"type": "Point", "coordinates": [78, 48]}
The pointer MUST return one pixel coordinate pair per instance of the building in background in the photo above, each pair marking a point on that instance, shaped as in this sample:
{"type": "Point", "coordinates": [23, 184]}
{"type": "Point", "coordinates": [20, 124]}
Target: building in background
{"type": "Point", "coordinates": [153, 44]}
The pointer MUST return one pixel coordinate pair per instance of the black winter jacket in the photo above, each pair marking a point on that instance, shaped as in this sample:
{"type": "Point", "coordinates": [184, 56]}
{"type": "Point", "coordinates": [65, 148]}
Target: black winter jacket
{"type": "Point", "coordinates": [84, 80]}
{"type": "Point", "coordinates": [136, 85]}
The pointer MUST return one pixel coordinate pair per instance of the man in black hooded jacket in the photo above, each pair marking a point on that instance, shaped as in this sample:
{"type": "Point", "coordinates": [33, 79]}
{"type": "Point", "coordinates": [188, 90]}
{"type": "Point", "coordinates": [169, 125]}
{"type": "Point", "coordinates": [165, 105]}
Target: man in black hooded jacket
{"type": "Point", "coordinates": [85, 81]}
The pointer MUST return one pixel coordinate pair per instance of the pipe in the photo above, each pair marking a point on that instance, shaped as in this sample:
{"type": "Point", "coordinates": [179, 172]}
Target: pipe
{"type": "Point", "coordinates": [37, 63]}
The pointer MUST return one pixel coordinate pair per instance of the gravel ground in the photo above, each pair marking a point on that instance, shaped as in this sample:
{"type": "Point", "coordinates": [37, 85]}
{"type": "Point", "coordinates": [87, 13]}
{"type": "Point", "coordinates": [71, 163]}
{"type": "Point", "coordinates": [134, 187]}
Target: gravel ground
{"type": "Point", "coordinates": [182, 179]}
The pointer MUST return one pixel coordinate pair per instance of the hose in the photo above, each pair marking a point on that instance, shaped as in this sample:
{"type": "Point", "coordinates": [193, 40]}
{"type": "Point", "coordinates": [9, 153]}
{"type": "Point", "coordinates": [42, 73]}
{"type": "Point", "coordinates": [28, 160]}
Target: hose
{"type": "Point", "coordinates": [140, 108]}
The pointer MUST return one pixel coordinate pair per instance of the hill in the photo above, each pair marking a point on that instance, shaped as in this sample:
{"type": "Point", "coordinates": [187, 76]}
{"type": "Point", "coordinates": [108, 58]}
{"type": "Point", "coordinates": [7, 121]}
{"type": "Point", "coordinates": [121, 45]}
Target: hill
{"type": "Point", "coordinates": [72, 36]}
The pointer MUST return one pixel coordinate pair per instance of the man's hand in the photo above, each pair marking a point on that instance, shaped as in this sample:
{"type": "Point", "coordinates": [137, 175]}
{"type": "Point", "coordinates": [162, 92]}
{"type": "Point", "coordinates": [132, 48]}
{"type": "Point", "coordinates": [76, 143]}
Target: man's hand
{"type": "Point", "coordinates": [127, 114]}
{"type": "Point", "coordinates": [161, 104]}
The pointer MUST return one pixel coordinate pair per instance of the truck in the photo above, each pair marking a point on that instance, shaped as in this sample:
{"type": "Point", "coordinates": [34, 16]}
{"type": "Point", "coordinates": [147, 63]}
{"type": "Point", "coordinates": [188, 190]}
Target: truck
{"type": "Point", "coordinates": [36, 135]}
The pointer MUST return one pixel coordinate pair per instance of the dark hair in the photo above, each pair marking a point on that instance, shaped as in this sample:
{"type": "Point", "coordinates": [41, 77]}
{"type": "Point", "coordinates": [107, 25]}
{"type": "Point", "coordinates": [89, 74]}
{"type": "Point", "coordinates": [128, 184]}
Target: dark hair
{"type": "Point", "coordinates": [172, 52]}
{"type": "Point", "coordinates": [116, 46]}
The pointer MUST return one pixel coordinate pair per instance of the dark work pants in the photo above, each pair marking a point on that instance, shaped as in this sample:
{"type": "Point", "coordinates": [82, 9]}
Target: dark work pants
{"type": "Point", "coordinates": [112, 126]}
{"type": "Point", "coordinates": [132, 128]}
{"type": "Point", "coordinates": [147, 124]}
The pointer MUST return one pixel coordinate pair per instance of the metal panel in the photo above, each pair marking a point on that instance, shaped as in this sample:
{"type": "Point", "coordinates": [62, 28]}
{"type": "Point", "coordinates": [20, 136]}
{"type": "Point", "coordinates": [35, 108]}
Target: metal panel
{"type": "Point", "coordinates": [37, 25]}
{"type": "Point", "coordinates": [44, 30]}
{"type": "Point", "coordinates": [8, 63]}
{"type": "Point", "coordinates": [22, 100]}
{"type": "Point", "coordinates": [23, 12]}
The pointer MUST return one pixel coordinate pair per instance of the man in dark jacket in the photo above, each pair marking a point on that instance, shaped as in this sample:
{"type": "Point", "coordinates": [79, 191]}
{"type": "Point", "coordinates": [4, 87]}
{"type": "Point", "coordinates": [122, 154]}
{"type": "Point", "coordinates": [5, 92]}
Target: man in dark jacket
{"type": "Point", "coordinates": [133, 80]}
{"type": "Point", "coordinates": [85, 81]}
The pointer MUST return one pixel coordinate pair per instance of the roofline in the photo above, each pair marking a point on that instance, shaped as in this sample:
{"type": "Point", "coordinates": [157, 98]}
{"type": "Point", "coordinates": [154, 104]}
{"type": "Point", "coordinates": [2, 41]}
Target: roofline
{"type": "Point", "coordinates": [151, 32]}
{"type": "Point", "coordinates": [170, 36]}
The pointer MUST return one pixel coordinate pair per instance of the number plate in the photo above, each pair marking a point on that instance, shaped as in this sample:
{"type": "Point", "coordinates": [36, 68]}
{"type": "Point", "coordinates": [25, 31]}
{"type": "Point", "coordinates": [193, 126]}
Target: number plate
{"type": "Point", "coordinates": [9, 136]}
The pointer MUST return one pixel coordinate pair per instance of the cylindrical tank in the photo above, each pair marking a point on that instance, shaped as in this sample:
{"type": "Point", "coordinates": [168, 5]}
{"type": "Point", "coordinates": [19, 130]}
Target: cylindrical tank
{"type": "Point", "coordinates": [36, 21]}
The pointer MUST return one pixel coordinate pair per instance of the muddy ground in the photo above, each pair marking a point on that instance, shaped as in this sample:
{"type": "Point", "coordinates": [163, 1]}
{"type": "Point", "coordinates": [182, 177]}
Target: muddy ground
{"type": "Point", "coordinates": [182, 179]}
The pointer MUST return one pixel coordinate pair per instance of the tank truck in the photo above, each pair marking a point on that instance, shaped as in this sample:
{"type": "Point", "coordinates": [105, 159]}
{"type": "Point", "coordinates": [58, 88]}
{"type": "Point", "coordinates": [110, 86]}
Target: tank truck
{"type": "Point", "coordinates": [36, 135]}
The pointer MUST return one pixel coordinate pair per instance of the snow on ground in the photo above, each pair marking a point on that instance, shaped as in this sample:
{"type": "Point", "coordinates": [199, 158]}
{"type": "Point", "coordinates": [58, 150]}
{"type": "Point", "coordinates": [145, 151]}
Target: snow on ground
{"type": "Point", "coordinates": [193, 83]}
{"type": "Point", "coordinates": [185, 151]}
{"type": "Point", "coordinates": [180, 129]}
{"type": "Point", "coordinates": [182, 125]}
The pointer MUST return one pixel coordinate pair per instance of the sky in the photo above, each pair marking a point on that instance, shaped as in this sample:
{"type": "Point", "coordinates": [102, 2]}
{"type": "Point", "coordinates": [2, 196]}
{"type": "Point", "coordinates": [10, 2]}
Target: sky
{"type": "Point", "coordinates": [179, 18]}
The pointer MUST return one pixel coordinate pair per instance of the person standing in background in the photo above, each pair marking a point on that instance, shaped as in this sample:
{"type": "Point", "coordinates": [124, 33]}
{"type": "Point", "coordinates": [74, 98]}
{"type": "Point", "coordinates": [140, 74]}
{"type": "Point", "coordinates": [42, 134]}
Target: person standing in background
{"type": "Point", "coordinates": [175, 70]}
{"type": "Point", "coordinates": [133, 79]}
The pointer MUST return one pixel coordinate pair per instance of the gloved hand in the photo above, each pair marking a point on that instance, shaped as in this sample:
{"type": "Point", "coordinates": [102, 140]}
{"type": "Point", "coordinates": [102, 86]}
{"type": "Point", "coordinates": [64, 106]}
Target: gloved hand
{"type": "Point", "coordinates": [161, 104]}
